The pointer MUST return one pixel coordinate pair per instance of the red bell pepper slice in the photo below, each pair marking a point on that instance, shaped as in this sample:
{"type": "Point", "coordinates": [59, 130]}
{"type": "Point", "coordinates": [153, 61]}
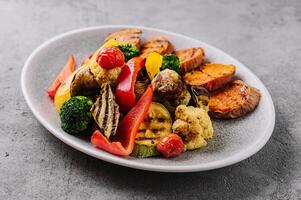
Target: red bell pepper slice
{"type": "Point", "coordinates": [64, 73]}
{"type": "Point", "coordinates": [125, 94]}
{"type": "Point", "coordinates": [123, 143]}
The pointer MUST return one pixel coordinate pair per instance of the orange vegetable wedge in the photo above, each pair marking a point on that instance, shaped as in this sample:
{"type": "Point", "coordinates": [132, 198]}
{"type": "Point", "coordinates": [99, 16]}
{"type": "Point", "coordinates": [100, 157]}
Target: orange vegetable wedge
{"type": "Point", "coordinates": [68, 69]}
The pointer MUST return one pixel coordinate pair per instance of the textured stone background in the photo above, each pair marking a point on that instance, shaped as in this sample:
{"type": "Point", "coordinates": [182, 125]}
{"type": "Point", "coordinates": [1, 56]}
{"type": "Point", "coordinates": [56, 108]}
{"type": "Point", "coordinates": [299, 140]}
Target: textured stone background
{"type": "Point", "coordinates": [264, 35]}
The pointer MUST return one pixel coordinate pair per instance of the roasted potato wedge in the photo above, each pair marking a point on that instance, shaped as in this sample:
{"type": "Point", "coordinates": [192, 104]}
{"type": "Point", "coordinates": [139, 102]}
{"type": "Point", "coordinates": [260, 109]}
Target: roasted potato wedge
{"type": "Point", "coordinates": [233, 101]}
{"type": "Point", "coordinates": [127, 36]}
{"type": "Point", "coordinates": [211, 76]}
{"type": "Point", "coordinates": [190, 59]}
{"type": "Point", "coordinates": [157, 44]}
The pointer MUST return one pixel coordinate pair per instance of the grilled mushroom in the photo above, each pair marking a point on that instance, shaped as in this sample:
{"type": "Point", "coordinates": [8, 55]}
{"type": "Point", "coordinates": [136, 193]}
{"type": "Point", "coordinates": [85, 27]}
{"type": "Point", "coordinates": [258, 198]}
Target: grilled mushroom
{"type": "Point", "coordinates": [170, 90]}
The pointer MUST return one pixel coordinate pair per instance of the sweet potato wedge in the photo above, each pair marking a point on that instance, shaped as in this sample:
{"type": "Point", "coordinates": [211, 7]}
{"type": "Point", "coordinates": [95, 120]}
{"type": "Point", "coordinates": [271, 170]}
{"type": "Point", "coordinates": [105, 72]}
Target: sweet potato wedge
{"type": "Point", "coordinates": [233, 101]}
{"type": "Point", "coordinates": [157, 44]}
{"type": "Point", "coordinates": [190, 59]}
{"type": "Point", "coordinates": [210, 76]}
{"type": "Point", "coordinates": [127, 36]}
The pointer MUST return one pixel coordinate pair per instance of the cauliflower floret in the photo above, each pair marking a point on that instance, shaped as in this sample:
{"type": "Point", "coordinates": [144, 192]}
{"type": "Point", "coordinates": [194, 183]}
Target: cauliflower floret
{"type": "Point", "coordinates": [105, 76]}
{"type": "Point", "coordinates": [197, 142]}
{"type": "Point", "coordinates": [193, 125]}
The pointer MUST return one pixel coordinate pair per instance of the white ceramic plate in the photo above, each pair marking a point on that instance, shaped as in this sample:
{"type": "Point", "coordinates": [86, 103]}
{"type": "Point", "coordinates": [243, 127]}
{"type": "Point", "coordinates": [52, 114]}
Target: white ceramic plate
{"type": "Point", "coordinates": [234, 140]}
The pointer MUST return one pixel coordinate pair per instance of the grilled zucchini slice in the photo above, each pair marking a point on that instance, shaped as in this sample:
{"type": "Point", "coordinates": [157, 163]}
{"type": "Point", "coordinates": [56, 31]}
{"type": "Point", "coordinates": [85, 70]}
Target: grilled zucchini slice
{"type": "Point", "coordinates": [157, 123]}
{"type": "Point", "coordinates": [145, 148]}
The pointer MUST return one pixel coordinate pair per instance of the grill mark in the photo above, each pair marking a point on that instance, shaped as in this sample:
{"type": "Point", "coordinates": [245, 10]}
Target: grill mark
{"type": "Point", "coordinates": [97, 115]}
{"type": "Point", "coordinates": [113, 124]}
{"type": "Point", "coordinates": [161, 120]}
{"type": "Point", "coordinates": [117, 118]}
{"type": "Point", "coordinates": [193, 52]}
{"type": "Point", "coordinates": [102, 109]}
{"type": "Point", "coordinates": [98, 111]}
{"type": "Point", "coordinates": [153, 46]}
{"type": "Point", "coordinates": [160, 41]}
{"type": "Point", "coordinates": [129, 30]}
{"type": "Point", "coordinates": [134, 37]}
{"type": "Point", "coordinates": [125, 34]}
{"type": "Point", "coordinates": [133, 31]}
{"type": "Point", "coordinates": [105, 118]}
{"type": "Point", "coordinates": [149, 50]}
{"type": "Point", "coordinates": [156, 44]}
{"type": "Point", "coordinates": [89, 71]}
{"type": "Point", "coordinates": [115, 121]}
{"type": "Point", "coordinates": [137, 32]}
{"type": "Point", "coordinates": [110, 112]}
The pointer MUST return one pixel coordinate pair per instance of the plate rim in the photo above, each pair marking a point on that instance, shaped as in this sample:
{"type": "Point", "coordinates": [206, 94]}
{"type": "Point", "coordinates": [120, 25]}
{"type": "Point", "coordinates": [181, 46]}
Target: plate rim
{"type": "Point", "coordinates": [235, 158]}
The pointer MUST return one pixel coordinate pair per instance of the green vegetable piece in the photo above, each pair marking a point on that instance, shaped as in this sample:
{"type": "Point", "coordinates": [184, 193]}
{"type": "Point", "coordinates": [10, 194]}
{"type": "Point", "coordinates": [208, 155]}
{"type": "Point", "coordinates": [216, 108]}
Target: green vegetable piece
{"type": "Point", "coordinates": [145, 148]}
{"type": "Point", "coordinates": [75, 114]}
{"type": "Point", "coordinates": [172, 62]}
{"type": "Point", "coordinates": [129, 51]}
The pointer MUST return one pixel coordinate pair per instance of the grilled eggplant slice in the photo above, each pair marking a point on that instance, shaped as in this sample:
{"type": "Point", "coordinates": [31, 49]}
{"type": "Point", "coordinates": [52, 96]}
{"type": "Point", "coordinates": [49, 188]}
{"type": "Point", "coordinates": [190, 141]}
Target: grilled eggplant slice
{"type": "Point", "coordinates": [190, 58]}
{"type": "Point", "coordinates": [83, 83]}
{"type": "Point", "coordinates": [157, 44]}
{"type": "Point", "coordinates": [233, 101]}
{"type": "Point", "coordinates": [127, 36]}
{"type": "Point", "coordinates": [105, 112]}
{"type": "Point", "coordinates": [200, 97]}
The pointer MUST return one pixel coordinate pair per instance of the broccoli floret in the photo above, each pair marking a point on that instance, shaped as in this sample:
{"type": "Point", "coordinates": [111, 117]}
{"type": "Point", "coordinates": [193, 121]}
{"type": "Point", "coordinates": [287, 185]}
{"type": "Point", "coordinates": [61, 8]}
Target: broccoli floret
{"type": "Point", "coordinates": [129, 51]}
{"type": "Point", "coordinates": [172, 62]}
{"type": "Point", "coordinates": [75, 114]}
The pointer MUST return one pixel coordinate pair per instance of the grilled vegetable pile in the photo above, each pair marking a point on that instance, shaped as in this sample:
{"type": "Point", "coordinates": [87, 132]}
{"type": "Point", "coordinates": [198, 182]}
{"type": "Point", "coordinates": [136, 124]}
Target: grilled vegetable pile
{"type": "Point", "coordinates": [145, 98]}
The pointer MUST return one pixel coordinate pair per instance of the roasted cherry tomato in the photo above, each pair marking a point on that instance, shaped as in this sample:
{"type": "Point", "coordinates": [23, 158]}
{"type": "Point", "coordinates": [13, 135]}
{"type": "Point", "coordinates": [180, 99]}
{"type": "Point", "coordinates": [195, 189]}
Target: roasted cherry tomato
{"type": "Point", "coordinates": [171, 145]}
{"type": "Point", "coordinates": [110, 58]}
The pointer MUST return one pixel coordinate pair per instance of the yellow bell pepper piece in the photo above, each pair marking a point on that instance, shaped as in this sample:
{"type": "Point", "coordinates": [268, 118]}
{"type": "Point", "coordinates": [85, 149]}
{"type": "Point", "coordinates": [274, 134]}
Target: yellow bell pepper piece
{"type": "Point", "coordinates": [153, 64]}
{"type": "Point", "coordinates": [63, 93]}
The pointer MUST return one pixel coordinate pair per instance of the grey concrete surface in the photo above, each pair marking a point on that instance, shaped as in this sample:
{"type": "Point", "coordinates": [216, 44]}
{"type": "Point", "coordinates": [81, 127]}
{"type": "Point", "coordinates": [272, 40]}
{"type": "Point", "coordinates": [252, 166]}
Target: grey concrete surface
{"type": "Point", "coordinates": [264, 35]}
